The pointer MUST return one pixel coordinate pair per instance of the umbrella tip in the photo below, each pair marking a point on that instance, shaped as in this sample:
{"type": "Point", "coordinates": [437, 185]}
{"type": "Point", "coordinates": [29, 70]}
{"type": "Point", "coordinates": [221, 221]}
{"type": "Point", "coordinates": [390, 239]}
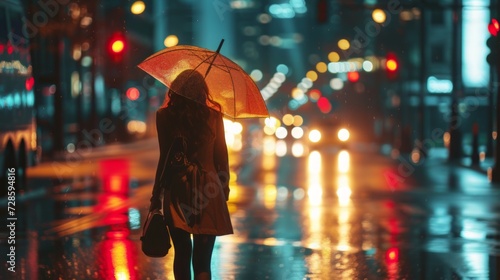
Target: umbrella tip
{"type": "Point", "coordinates": [220, 45]}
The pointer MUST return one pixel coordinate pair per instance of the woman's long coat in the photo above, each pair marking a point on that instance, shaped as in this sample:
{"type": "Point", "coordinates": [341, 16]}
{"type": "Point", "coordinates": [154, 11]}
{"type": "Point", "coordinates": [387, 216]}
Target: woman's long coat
{"type": "Point", "coordinates": [213, 190]}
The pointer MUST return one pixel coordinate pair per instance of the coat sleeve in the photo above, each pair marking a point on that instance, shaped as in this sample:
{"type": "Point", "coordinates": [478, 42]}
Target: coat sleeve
{"type": "Point", "coordinates": [221, 156]}
{"type": "Point", "coordinates": [162, 141]}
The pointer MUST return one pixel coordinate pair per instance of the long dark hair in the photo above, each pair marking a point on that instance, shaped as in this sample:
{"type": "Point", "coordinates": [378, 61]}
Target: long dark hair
{"type": "Point", "coordinates": [187, 101]}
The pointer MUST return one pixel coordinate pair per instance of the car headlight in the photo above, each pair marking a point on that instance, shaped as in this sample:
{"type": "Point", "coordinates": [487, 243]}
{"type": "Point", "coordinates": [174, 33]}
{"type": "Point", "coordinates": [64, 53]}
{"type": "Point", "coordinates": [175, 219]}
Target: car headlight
{"type": "Point", "coordinates": [314, 136]}
{"type": "Point", "coordinates": [343, 134]}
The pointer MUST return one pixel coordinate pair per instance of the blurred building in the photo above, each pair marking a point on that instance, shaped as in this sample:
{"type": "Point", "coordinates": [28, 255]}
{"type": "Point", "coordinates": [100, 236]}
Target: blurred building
{"type": "Point", "coordinates": [297, 51]}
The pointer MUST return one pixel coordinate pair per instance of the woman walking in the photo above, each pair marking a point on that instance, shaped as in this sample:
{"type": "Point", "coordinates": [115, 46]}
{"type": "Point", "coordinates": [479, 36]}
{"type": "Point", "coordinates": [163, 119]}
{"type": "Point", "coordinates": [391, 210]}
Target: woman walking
{"type": "Point", "coordinates": [185, 112]}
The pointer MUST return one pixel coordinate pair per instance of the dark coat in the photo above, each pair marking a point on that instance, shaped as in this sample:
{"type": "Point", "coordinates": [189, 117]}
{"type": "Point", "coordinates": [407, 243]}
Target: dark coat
{"type": "Point", "coordinates": [212, 191]}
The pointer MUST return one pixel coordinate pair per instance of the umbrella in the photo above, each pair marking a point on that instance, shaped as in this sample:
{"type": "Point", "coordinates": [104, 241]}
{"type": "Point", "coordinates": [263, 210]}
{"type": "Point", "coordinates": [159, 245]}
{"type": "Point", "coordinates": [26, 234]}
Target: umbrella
{"type": "Point", "coordinates": [228, 84]}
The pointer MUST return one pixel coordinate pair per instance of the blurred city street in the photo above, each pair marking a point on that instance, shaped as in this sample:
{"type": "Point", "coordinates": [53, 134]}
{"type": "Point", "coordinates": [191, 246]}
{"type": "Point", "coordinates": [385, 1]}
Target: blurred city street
{"type": "Point", "coordinates": [329, 214]}
{"type": "Point", "coordinates": [362, 134]}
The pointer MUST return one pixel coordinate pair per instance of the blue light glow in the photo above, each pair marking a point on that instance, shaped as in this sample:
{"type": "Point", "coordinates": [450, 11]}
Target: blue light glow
{"type": "Point", "coordinates": [474, 50]}
{"type": "Point", "coordinates": [30, 99]}
{"type": "Point", "coordinates": [282, 11]}
{"type": "Point", "coordinates": [435, 85]}
{"type": "Point", "coordinates": [9, 101]}
{"type": "Point", "coordinates": [134, 217]}
{"type": "Point", "coordinates": [17, 100]}
{"type": "Point", "coordinates": [282, 68]}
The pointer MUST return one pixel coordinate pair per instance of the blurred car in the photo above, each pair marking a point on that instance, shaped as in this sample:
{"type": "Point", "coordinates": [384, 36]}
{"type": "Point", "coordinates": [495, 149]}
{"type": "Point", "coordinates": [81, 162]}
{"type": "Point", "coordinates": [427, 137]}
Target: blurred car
{"type": "Point", "coordinates": [328, 133]}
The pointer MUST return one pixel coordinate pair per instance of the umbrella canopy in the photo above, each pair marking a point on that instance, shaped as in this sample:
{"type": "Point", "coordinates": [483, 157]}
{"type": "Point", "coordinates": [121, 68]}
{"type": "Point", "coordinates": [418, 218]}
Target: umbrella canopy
{"type": "Point", "coordinates": [228, 84]}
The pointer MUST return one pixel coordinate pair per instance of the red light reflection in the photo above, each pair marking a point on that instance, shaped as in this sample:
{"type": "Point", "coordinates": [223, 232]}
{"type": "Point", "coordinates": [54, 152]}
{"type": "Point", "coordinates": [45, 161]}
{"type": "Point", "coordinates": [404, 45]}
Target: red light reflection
{"type": "Point", "coordinates": [113, 204]}
{"type": "Point", "coordinates": [392, 255]}
{"type": "Point", "coordinates": [117, 254]}
{"type": "Point", "coordinates": [118, 257]}
{"type": "Point", "coordinates": [115, 176]}
{"type": "Point", "coordinates": [392, 262]}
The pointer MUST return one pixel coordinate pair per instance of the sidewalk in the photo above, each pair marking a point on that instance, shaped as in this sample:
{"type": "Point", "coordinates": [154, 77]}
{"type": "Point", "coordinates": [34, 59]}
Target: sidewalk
{"type": "Point", "coordinates": [436, 173]}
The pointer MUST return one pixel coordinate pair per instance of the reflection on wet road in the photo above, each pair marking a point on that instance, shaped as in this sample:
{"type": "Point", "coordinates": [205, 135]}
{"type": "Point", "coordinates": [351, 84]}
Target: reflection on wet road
{"type": "Point", "coordinates": [323, 215]}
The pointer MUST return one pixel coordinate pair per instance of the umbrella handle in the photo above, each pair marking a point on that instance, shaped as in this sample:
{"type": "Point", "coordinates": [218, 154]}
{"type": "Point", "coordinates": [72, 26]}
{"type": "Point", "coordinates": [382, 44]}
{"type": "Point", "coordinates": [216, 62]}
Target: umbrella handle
{"type": "Point", "coordinates": [216, 53]}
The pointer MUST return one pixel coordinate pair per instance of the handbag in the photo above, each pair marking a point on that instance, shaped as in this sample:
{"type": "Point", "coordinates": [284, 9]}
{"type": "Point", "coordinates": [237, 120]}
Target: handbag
{"type": "Point", "coordinates": [155, 235]}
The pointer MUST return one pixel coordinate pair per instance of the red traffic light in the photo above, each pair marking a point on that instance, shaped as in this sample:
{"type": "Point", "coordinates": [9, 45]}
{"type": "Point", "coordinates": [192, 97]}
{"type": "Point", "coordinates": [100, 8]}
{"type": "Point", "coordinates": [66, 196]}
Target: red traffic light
{"type": "Point", "coordinates": [117, 46]}
{"type": "Point", "coordinates": [391, 65]}
{"type": "Point", "coordinates": [494, 27]}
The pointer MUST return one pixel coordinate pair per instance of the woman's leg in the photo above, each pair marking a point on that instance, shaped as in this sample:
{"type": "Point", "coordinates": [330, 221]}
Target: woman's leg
{"type": "Point", "coordinates": [202, 256]}
{"type": "Point", "coordinates": [182, 258]}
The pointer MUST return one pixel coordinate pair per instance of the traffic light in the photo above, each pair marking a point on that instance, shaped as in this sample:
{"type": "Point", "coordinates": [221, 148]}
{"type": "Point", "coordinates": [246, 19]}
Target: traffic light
{"type": "Point", "coordinates": [493, 42]}
{"type": "Point", "coordinates": [116, 47]}
{"type": "Point", "coordinates": [391, 66]}
{"type": "Point", "coordinates": [494, 27]}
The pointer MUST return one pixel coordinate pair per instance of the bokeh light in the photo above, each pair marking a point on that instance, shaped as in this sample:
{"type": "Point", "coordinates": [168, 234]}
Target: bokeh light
{"type": "Point", "coordinates": [324, 105]}
{"type": "Point", "coordinates": [367, 66]}
{"type": "Point", "coordinates": [236, 128]}
{"type": "Point", "coordinates": [133, 93]}
{"type": "Point", "coordinates": [281, 132]}
{"type": "Point", "coordinates": [297, 132]}
{"type": "Point", "coordinates": [272, 122]}
{"type": "Point", "coordinates": [264, 18]}
{"type": "Point", "coordinates": [321, 67]}
{"type": "Point", "coordinates": [138, 7]}
{"type": "Point", "coordinates": [314, 136]}
{"type": "Point", "coordinates": [378, 16]}
{"type": "Point", "coordinates": [343, 134]}
{"type": "Point", "coordinates": [333, 57]}
{"type": "Point", "coordinates": [314, 94]}
{"type": "Point", "coordinates": [281, 148]}
{"type": "Point", "coordinates": [171, 41]}
{"type": "Point", "coordinates": [312, 75]}
{"type": "Point", "coordinates": [268, 130]}
{"type": "Point", "coordinates": [297, 93]}
{"type": "Point", "coordinates": [287, 119]}
{"type": "Point", "coordinates": [344, 44]}
{"type": "Point", "coordinates": [298, 120]}
{"type": "Point", "coordinates": [282, 68]}
{"type": "Point", "coordinates": [256, 75]}
{"type": "Point", "coordinates": [336, 83]}
{"type": "Point", "coordinates": [298, 149]}
{"type": "Point", "coordinates": [353, 77]}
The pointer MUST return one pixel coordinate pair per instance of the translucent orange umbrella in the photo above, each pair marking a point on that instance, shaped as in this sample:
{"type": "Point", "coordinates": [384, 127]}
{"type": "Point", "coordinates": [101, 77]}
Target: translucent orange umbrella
{"type": "Point", "coordinates": [228, 84]}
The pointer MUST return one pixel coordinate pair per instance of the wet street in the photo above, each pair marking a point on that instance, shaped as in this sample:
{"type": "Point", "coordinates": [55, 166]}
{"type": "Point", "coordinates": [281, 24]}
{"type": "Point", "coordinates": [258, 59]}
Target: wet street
{"type": "Point", "coordinates": [326, 214]}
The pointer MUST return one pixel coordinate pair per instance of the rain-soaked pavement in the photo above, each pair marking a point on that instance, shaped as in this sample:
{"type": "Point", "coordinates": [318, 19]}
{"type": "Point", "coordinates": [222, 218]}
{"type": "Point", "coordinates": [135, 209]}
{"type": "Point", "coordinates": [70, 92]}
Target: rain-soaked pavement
{"type": "Point", "coordinates": [328, 214]}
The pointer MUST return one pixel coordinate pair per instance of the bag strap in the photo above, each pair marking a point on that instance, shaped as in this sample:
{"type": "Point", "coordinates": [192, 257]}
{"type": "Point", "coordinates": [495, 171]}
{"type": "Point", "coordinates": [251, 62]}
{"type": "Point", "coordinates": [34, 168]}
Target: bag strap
{"type": "Point", "coordinates": [148, 218]}
{"type": "Point", "coordinates": [178, 137]}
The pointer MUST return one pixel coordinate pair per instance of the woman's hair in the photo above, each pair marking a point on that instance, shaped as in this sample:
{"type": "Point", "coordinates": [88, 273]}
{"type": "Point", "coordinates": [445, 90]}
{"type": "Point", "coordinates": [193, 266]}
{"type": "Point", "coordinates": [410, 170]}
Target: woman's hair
{"type": "Point", "coordinates": [187, 102]}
